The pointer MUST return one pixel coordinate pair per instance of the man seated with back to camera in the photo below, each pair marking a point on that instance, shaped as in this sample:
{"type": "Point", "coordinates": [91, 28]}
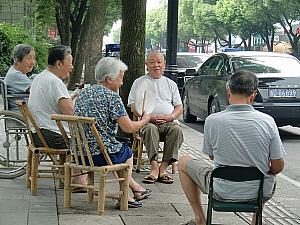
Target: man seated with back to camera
{"type": "Point", "coordinates": [237, 136]}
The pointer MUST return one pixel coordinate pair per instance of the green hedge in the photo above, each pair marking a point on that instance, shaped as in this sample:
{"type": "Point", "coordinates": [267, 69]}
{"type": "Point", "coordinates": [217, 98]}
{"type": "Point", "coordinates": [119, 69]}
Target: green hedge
{"type": "Point", "coordinates": [10, 36]}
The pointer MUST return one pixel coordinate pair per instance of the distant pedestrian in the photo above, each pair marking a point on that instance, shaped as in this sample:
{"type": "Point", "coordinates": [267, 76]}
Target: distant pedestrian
{"type": "Point", "coordinates": [237, 136]}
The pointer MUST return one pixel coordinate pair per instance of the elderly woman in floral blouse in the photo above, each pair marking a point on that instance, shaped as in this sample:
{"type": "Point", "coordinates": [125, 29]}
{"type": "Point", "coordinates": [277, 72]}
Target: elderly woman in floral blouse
{"type": "Point", "coordinates": [102, 102]}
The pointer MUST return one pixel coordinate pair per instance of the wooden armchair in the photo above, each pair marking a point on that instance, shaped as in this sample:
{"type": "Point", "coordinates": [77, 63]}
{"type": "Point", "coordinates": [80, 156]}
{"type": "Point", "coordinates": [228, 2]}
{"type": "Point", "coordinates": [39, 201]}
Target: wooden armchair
{"type": "Point", "coordinates": [82, 161]}
{"type": "Point", "coordinates": [37, 168]}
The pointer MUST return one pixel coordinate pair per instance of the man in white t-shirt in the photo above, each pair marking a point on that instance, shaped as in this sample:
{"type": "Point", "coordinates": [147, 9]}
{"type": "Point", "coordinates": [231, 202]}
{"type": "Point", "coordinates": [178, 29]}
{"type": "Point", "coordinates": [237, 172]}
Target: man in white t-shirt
{"type": "Point", "coordinates": [162, 126]}
{"type": "Point", "coordinates": [49, 95]}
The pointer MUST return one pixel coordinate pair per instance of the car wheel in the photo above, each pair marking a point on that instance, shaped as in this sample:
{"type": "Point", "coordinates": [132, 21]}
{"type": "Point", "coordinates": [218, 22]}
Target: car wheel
{"type": "Point", "coordinates": [187, 117]}
{"type": "Point", "coordinates": [213, 107]}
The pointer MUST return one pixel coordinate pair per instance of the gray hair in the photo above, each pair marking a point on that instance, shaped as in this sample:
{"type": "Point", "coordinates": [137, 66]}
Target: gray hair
{"type": "Point", "coordinates": [152, 53]}
{"type": "Point", "coordinates": [109, 67]}
{"type": "Point", "coordinates": [20, 51]}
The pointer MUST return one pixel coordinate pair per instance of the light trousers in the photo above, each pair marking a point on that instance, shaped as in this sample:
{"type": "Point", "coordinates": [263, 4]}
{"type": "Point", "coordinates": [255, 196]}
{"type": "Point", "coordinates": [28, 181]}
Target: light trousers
{"type": "Point", "coordinates": [170, 133]}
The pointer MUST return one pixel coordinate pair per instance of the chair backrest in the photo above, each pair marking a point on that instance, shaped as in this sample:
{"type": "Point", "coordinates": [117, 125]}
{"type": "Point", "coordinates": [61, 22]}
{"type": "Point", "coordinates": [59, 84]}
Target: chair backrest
{"type": "Point", "coordinates": [239, 174]}
{"type": "Point", "coordinates": [78, 137]}
{"type": "Point", "coordinates": [30, 122]}
{"type": "Point", "coordinates": [3, 89]}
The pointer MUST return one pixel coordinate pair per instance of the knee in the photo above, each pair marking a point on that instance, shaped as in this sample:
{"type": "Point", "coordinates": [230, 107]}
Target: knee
{"type": "Point", "coordinates": [182, 162]}
{"type": "Point", "coordinates": [149, 128]}
{"type": "Point", "coordinates": [176, 131]}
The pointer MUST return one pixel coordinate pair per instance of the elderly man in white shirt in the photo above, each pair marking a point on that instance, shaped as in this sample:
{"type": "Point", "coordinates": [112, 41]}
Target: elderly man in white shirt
{"type": "Point", "coordinates": [163, 125]}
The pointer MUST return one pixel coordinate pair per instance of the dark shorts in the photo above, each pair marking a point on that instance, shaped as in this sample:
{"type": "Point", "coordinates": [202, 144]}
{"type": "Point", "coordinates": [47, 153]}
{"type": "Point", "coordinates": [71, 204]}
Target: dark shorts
{"type": "Point", "coordinates": [119, 157]}
{"type": "Point", "coordinates": [53, 139]}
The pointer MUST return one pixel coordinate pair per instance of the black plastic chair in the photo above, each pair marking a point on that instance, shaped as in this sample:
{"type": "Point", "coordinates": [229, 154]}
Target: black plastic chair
{"type": "Point", "coordinates": [236, 174]}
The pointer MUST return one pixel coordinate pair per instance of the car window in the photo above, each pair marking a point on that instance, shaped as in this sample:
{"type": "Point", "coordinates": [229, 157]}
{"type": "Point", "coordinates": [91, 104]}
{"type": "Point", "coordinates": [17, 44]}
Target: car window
{"type": "Point", "coordinates": [267, 64]}
{"type": "Point", "coordinates": [215, 66]}
{"type": "Point", "coordinates": [204, 70]}
{"type": "Point", "coordinates": [189, 61]}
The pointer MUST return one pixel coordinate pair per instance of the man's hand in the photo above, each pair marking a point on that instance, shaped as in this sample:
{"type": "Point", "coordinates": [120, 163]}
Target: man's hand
{"type": "Point", "coordinates": [161, 119]}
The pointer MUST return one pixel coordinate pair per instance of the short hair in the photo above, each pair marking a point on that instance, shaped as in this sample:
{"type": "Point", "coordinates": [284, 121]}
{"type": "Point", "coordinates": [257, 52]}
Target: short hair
{"type": "Point", "coordinates": [20, 51]}
{"type": "Point", "coordinates": [154, 52]}
{"type": "Point", "coordinates": [109, 67]}
{"type": "Point", "coordinates": [58, 52]}
{"type": "Point", "coordinates": [243, 82]}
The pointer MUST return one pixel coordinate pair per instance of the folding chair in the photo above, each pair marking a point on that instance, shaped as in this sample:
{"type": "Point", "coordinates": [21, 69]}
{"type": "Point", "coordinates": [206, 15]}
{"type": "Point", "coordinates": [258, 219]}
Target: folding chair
{"type": "Point", "coordinates": [35, 169]}
{"type": "Point", "coordinates": [82, 161]}
{"type": "Point", "coordinates": [236, 174]}
{"type": "Point", "coordinates": [138, 148]}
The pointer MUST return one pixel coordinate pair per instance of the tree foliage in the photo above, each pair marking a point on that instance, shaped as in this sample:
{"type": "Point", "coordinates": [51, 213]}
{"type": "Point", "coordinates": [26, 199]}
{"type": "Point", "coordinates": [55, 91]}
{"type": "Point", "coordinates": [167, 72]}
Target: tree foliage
{"type": "Point", "coordinates": [10, 36]}
{"type": "Point", "coordinates": [156, 28]}
{"type": "Point", "coordinates": [221, 20]}
{"type": "Point", "coordinates": [70, 20]}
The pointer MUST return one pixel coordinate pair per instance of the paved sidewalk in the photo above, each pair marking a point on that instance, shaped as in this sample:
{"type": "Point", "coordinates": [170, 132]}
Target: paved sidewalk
{"type": "Point", "coordinates": [167, 205]}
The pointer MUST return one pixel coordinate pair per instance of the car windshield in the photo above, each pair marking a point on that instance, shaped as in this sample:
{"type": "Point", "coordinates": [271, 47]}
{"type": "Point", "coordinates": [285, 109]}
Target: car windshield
{"type": "Point", "coordinates": [190, 61]}
{"type": "Point", "coordinates": [267, 64]}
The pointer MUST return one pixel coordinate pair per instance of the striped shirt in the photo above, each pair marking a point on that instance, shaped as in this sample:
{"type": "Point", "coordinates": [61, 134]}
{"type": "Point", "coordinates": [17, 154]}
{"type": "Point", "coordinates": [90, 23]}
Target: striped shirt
{"type": "Point", "coordinates": [242, 136]}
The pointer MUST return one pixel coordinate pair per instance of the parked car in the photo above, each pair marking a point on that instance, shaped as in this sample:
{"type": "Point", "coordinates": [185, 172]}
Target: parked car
{"type": "Point", "coordinates": [278, 90]}
{"type": "Point", "coordinates": [188, 63]}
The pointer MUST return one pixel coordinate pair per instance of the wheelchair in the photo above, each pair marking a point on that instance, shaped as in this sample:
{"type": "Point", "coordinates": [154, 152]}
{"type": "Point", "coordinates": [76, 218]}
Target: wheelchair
{"type": "Point", "coordinates": [13, 139]}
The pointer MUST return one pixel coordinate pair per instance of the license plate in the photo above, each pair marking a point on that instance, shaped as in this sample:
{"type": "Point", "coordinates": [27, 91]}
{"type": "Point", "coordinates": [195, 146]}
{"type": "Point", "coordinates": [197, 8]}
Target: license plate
{"type": "Point", "coordinates": [282, 93]}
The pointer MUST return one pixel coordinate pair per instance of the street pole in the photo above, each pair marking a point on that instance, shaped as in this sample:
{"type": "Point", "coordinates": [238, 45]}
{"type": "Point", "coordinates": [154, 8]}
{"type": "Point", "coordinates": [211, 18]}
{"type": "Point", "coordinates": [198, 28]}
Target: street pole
{"type": "Point", "coordinates": [171, 70]}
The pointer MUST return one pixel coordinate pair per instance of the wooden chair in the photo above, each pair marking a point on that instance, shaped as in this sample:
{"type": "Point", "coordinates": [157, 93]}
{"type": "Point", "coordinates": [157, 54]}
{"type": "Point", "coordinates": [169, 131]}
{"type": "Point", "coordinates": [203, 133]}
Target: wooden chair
{"type": "Point", "coordinates": [35, 169]}
{"type": "Point", "coordinates": [236, 174]}
{"type": "Point", "coordinates": [80, 149]}
{"type": "Point", "coordinates": [138, 148]}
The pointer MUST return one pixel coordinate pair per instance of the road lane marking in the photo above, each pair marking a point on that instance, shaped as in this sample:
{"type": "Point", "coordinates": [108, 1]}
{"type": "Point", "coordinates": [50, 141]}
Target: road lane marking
{"type": "Point", "coordinates": [290, 180]}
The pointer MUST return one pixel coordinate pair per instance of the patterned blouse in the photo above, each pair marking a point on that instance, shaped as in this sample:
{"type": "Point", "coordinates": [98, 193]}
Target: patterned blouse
{"type": "Point", "coordinates": [106, 106]}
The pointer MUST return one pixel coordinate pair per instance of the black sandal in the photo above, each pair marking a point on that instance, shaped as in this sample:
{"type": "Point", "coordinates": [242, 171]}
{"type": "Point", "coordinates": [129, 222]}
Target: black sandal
{"type": "Point", "coordinates": [134, 204]}
{"type": "Point", "coordinates": [140, 195]}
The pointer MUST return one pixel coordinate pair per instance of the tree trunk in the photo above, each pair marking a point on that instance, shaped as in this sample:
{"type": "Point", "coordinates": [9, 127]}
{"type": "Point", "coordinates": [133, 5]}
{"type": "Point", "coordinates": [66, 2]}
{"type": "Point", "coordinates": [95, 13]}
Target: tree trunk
{"type": "Point", "coordinates": [77, 25]}
{"type": "Point", "coordinates": [81, 53]}
{"type": "Point", "coordinates": [132, 42]}
{"type": "Point", "coordinates": [132, 46]}
{"type": "Point", "coordinates": [95, 38]}
{"type": "Point", "coordinates": [63, 20]}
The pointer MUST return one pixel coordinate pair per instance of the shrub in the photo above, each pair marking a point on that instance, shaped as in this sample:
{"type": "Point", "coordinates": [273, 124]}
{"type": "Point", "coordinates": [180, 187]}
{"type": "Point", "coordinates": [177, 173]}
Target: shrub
{"type": "Point", "coordinates": [10, 36]}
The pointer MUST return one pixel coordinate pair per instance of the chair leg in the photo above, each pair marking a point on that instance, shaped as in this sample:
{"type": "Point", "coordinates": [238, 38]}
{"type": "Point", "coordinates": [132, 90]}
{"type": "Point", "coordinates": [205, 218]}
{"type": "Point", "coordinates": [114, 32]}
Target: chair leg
{"type": "Point", "coordinates": [124, 186]}
{"type": "Point", "coordinates": [90, 181]}
{"type": "Point", "coordinates": [34, 173]}
{"type": "Point", "coordinates": [139, 159]}
{"type": "Point", "coordinates": [258, 218]}
{"type": "Point", "coordinates": [209, 213]}
{"type": "Point", "coordinates": [101, 193]}
{"type": "Point", "coordinates": [67, 187]}
{"type": "Point", "coordinates": [28, 168]}
{"type": "Point", "coordinates": [173, 167]}
{"type": "Point", "coordinates": [62, 160]}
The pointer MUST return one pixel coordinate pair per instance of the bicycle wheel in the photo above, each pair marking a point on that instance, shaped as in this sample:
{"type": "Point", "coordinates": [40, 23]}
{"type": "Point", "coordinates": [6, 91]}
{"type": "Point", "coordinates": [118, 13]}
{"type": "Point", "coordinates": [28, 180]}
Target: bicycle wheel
{"type": "Point", "coordinates": [13, 144]}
